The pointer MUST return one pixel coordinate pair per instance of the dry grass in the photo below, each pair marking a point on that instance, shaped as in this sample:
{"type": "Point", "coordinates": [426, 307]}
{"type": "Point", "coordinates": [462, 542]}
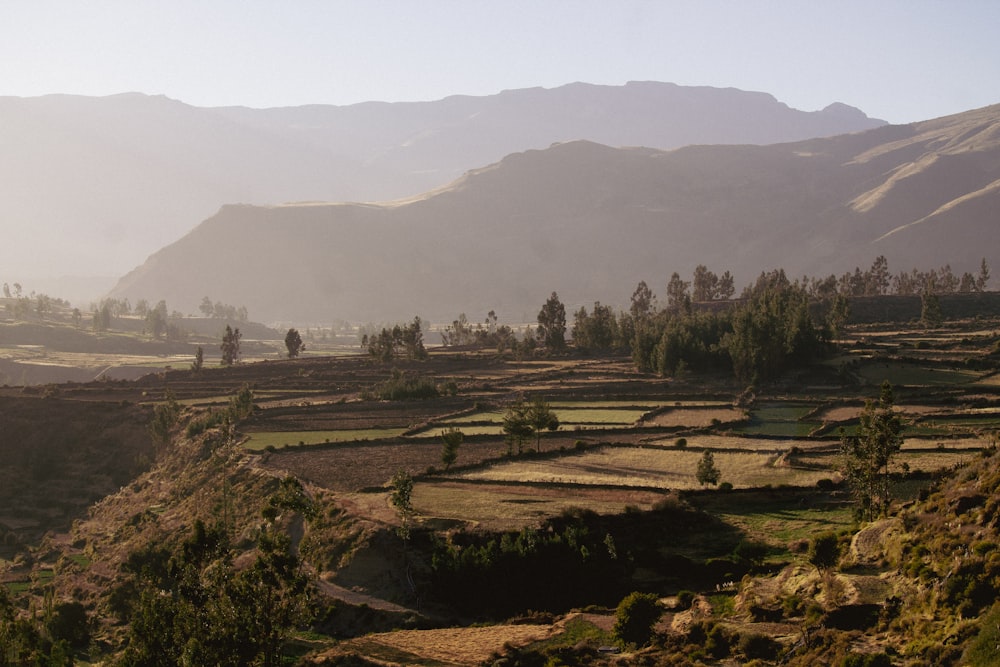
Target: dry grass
{"type": "Point", "coordinates": [502, 507]}
{"type": "Point", "coordinates": [695, 418]}
{"type": "Point", "coordinates": [651, 468]}
{"type": "Point", "coordinates": [746, 443]}
{"type": "Point", "coordinates": [452, 646]}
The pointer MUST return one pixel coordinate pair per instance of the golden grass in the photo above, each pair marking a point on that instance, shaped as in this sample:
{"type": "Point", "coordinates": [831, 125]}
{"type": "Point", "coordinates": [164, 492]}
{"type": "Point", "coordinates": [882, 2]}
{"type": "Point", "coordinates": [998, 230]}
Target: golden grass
{"type": "Point", "coordinates": [650, 467]}
{"type": "Point", "coordinates": [459, 646]}
{"type": "Point", "coordinates": [501, 507]}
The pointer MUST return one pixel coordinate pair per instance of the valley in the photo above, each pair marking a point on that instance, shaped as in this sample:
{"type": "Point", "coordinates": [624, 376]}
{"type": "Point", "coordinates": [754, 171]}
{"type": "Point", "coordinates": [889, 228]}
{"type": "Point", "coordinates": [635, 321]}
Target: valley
{"type": "Point", "coordinates": [619, 474]}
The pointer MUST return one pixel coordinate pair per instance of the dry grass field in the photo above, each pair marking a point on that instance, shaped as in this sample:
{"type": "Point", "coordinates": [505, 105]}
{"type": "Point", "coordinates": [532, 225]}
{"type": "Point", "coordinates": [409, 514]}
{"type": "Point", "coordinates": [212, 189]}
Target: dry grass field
{"type": "Point", "coordinates": [650, 467]}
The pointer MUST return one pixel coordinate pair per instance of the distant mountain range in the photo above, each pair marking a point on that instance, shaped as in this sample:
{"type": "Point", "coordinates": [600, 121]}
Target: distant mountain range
{"type": "Point", "coordinates": [92, 186]}
{"type": "Point", "coordinates": [589, 221]}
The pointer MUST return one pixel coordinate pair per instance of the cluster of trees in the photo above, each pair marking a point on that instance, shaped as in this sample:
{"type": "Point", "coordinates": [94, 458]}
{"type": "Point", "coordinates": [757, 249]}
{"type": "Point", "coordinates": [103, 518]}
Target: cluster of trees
{"type": "Point", "coordinates": [193, 606]}
{"type": "Point", "coordinates": [20, 306]}
{"type": "Point", "coordinates": [401, 340]}
{"type": "Point", "coordinates": [488, 333]}
{"type": "Point", "coordinates": [223, 311]}
{"type": "Point", "coordinates": [776, 325]}
{"type": "Point", "coordinates": [48, 636]}
{"type": "Point", "coordinates": [571, 562]}
{"type": "Point", "coordinates": [522, 420]}
{"type": "Point", "coordinates": [157, 317]}
{"type": "Point", "coordinates": [878, 280]}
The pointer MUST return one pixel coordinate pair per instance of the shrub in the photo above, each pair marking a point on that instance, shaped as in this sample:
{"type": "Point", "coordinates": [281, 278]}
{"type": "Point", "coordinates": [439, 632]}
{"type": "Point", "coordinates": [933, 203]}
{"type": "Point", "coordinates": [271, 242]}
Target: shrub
{"type": "Point", "coordinates": [718, 643]}
{"type": "Point", "coordinates": [758, 647]}
{"type": "Point", "coordinates": [685, 599]}
{"type": "Point", "coordinates": [681, 443]}
{"type": "Point", "coordinates": [726, 486]}
{"type": "Point", "coordinates": [634, 620]}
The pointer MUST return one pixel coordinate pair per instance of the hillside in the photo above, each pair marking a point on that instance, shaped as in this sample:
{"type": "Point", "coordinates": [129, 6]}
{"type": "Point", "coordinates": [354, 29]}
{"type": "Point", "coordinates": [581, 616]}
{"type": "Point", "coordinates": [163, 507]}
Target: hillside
{"type": "Point", "coordinates": [590, 221]}
{"type": "Point", "coordinates": [100, 183]}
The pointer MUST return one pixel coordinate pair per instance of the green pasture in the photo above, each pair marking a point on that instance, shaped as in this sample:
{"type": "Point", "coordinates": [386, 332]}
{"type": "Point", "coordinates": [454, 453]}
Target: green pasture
{"type": "Point", "coordinates": [263, 439]}
{"type": "Point", "coordinates": [964, 421]}
{"type": "Point", "coordinates": [780, 412]}
{"type": "Point", "coordinates": [778, 520]}
{"type": "Point", "coordinates": [899, 373]}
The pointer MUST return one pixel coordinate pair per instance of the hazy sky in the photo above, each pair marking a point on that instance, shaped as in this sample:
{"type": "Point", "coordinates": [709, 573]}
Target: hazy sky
{"type": "Point", "coordinates": [901, 60]}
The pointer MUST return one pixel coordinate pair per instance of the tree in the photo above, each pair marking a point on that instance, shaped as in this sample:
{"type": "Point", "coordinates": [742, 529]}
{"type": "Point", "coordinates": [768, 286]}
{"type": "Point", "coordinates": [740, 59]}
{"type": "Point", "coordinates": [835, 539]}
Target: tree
{"type": "Point", "coordinates": [824, 552]}
{"type": "Point", "coordinates": [516, 426]}
{"type": "Point", "coordinates": [293, 341]}
{"type": "Point", "coordinates": [401, 499]}
{"type": "Point", "coordinates": [635, 618]}
{"type": "Point", "coordinates": [930, 309]}
{"type": "Point", "coordinates": [199, 360]}
{"type": "Point", "coordinates": [552, 323]}
{"type": "Point", "coordinates": [868, 454]}
{"type": "Point", "coordinates": [678, 298]}
{"type": "Point", "coordinates": [231, 346]}
{"type": "Point", "coordinates": [451, 440]}
{"type": "Point", "coordinates": [643, 302]}
{"type": "Point", "coordinates": [707, 473]}
{"type": "Point", "coordinates": [984, 276]}
{"type": "Point", "coordinates": [726, 288]}
{"type": "Point", "coordinates": [541, 417]}
{"type": "Point", "coordinates": [597, 331]}
{"type": "Point", "coordinates": [156, 320]}
{"type": "Point", "coordinates": [704, 284]}
{"type": "Point", "coordinates": [206, 307]}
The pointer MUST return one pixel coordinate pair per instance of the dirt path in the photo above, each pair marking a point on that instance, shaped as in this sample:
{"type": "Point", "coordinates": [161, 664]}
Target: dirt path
{"type": "Point", "coordinates": [357, 599]}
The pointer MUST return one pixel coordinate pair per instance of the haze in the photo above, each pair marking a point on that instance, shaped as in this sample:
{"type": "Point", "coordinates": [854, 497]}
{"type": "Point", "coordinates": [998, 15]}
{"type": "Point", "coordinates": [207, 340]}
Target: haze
{"type": "Point", "coordinates": [897, 61]}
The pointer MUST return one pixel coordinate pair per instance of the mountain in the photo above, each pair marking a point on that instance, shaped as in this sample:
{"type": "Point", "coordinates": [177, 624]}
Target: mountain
{"type": "Point", "coordinates": [590, 221]}
{"type": "Point", "coordinates": [94, 185]}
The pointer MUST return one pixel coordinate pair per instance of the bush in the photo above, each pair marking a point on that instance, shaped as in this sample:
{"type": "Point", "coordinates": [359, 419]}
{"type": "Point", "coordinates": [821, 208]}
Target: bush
{"type": "Point", "coordinates": [634, 620]}
{"type": "Point", "coordinates": [824, 551]}
{"type": "Point", "coordinates": [685, 599]}
{"type": "Point", "coordinates": [758, 647]}
{"type": "Point", "coordinates": [681, 443]}
{"type": "Point", "coordinates": [718, 643]}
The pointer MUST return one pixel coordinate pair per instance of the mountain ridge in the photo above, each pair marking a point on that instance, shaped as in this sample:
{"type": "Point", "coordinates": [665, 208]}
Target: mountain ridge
{"type": "Point", "coordinates": [590, 221]}
{"type": "Point", "coordinates": [104, 182]}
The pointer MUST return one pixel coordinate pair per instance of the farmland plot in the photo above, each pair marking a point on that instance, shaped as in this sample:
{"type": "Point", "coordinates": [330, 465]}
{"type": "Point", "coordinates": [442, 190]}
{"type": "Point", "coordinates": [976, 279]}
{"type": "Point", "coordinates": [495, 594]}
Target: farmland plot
{"type": "Point", "coordinates": [648, 467]}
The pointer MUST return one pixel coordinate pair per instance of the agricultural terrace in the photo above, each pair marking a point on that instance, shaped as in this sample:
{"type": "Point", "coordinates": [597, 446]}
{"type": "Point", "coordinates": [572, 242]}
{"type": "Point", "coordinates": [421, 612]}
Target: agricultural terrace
{"type": "Point", "coordinates": [623, 434]}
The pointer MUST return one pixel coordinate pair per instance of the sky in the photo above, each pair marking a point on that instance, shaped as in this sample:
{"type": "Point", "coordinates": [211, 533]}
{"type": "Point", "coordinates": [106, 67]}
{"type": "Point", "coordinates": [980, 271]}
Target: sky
{"type": "Point", "coordinates": [899, 60]}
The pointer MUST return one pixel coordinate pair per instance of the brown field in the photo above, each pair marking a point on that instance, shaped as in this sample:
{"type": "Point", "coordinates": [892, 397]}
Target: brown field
{"type": "Point", "coordinates": [694, 418]}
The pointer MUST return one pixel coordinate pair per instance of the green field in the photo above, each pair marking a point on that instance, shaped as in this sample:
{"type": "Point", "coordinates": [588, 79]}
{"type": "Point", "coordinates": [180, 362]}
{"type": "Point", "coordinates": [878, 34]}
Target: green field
{"type": "Point", "coordinates": [898, 373]}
